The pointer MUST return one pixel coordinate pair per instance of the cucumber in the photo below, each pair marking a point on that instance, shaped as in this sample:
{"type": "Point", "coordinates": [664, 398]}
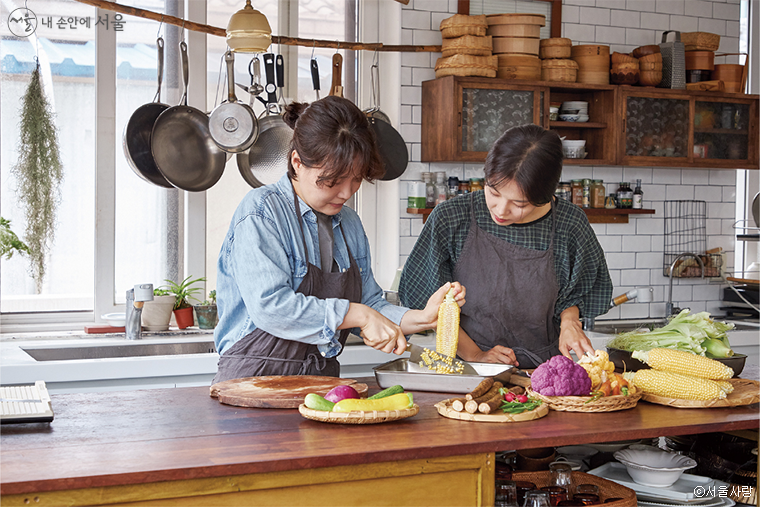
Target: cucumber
{"type": "Point", "coordinates": [316, 402]}
{"type": "Point", "coordinates": [397, 389]}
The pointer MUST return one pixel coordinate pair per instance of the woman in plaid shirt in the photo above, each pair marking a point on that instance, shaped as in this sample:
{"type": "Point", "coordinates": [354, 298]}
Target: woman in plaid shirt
{"type": "Point", "coordinates": [531, 262]}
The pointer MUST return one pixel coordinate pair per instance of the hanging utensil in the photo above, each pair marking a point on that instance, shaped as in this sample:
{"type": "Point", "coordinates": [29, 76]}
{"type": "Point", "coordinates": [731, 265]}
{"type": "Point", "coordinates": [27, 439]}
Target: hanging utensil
{"type": "Point", "coordinates": [138, 131]}
{"type": "Point", "coordinates": [233, 125]}
{"type": "Point", "coordinates": [182, 146]}
{"type": "Point", "coordinates": [315, 76]}
{"type": "Point", "coordinates": [337, 71]}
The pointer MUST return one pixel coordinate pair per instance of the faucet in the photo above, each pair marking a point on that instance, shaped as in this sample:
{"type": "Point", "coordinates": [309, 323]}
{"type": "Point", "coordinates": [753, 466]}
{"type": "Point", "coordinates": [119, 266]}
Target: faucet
{"type": "Point", "coordinates": [136, 298]}
{"type": "Point", "coordinates": [669, 309]}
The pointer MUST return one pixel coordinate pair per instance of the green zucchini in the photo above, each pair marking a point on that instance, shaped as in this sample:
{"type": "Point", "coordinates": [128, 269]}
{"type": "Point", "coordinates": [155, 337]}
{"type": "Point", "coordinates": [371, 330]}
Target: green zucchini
{"type": "Point", "coordinates": [397, 389]}
{"type": "Point", "coordinates": [316, 402]}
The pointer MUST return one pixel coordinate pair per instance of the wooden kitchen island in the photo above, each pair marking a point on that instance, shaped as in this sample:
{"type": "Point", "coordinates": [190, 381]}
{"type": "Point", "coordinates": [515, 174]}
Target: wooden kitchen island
{"type": "Point", "coordinates": [181, 447]}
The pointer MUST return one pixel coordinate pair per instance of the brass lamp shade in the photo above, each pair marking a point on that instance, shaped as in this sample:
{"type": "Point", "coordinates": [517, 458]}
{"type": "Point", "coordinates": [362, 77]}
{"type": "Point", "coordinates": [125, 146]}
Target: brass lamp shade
{"type": "Point", "coordinates": [248, 31]}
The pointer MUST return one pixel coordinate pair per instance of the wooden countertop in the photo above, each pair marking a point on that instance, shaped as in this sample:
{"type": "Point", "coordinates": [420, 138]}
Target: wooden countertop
{"type": "Point", "coordinates": [133, 437]}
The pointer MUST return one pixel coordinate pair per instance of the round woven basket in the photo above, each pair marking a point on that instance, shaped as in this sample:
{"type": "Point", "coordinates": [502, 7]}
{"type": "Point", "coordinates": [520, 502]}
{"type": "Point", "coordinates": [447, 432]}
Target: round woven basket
{"type": "Point", "coordinates": [467, 45]}
{"type": "Point", "coordinates": [700, 41]}
{"type": "Point", "coordinates": [358, 416]}
{"type": "Point", "coordinates": [466, 65]}
{"type": "Point", "coordinates": [461, 24]}
{"type": "Point", "coordinates": [579, 403]}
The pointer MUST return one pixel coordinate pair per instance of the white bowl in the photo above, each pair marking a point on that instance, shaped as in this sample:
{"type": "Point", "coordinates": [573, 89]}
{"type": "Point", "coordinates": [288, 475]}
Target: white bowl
{"type": "Point", "coordinates": [569, 117]}
{"type": "Point", "coordinates": [115, 319]}
{"type": "Point", "coordinates": [582, 118]}
{"type": "Point", "coordinates": [573, 143]}
{"type": "Point", "coordinates": [654, 467]}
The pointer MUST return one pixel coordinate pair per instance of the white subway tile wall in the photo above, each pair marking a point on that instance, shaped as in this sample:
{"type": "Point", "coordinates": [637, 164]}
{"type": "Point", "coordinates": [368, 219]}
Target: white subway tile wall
{"type": "Point", "coordinates": [634, 251]}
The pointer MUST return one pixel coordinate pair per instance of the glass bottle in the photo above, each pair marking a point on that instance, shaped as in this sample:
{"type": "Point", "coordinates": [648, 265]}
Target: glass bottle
{"type": "Point", "coordinates": [624, 195]}
{"type": "Point", "coordinates": [464, 187]}
{"type": "Point", "coordinates": [565, 190]}
{"type": "Point", "coordinates": [476, 184]}
{"type": "Point", "coordinates": [441, 189]}
{"type": "Point", "coordinates": [597, 194]}
{"type": "Point", "coordinates": [638, 196]}
{"type": "Point", "coordinates": [586, 193]}
{"type": "Point", "coordinates": [577, 192]}
{"type": "Point", "coordinates": [427, 177]}
{"type": "Point", "coordinates": [453, 186]}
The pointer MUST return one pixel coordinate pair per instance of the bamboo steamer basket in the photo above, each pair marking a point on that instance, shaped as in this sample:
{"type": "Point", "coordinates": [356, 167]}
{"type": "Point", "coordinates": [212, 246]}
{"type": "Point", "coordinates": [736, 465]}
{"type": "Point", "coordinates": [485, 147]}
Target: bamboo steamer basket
{"type": "Point", "coordinates": [514, 66]}
{"type": "Point", "coordinates": [515, 45]}
{"type": "Point", "coordinates": [593, 63]}
{"type": "Point", "coordinates": [622, 58]}
{"type": "Point", "coordinates": [730, 74]}
{"type": "Point", "coordinates": [650, 77]}
{"type": "Point", "coordinates": [555, 47]}
{"type": "Point", "coordinates": [700, 60]}
{"type": "Point", "coordinates": [565, 71]}
{"type": "Point", "coordinates": [528, 31]}
{"type": "Point", "coordinates": [653, 58]}
{"type": "Point", "coordinates": [700, 41]}
{"type": "Point", "coordinates": [650, 66]}
{"type": "Point", "coordinates": [518, 18]}
{"type": "Point", "coordinates": [466, 65]}
{"type": "Point", "coordinates": [461, 24]}
{"type": "Point", "coordinates": [646, 50]}
{"type": "Point", "coordinates": [467, 45]}
{"type": "Point", "coordinates": [625, 67]}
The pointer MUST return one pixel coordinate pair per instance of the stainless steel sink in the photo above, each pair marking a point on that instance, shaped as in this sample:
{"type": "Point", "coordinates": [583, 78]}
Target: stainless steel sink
{"type": "Point", "coordinates": [125, 350]}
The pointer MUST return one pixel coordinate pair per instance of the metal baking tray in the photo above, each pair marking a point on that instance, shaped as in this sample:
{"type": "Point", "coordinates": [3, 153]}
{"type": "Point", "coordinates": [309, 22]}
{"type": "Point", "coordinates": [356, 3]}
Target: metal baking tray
{"type": "Point", "coordinates": [412, 377]}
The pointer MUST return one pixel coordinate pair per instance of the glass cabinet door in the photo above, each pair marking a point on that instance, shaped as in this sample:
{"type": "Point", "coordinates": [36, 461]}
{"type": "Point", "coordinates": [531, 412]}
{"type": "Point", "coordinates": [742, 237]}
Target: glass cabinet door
{"type": "Point", "coordinates": [656, 127]}
{"type": "Point", "coordinates": [721, 130]}
{"type": "Point", "coordinates": [488, 113]}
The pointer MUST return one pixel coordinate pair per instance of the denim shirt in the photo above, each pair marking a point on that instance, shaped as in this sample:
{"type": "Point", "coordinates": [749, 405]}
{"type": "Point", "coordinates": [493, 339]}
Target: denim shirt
{"type": "Point", "coordinates": [262, 263]}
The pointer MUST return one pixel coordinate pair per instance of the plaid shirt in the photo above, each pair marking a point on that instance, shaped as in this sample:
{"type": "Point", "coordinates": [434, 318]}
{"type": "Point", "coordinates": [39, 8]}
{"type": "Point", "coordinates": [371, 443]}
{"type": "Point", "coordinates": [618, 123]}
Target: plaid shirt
{"type": "Point", "coordinates": [579, 261]}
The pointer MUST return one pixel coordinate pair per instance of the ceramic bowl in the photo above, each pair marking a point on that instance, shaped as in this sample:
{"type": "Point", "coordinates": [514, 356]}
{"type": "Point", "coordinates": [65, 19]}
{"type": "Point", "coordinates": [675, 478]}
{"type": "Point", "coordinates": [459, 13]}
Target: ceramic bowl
{"type": "Point", "coordinates": [654, 467]}
{"type": "Point", "coordinates": [569, 117]}
{"type": "Point", "coordinates": [115, 319]}
{"type": "Point", "coordinates": [582, 118]}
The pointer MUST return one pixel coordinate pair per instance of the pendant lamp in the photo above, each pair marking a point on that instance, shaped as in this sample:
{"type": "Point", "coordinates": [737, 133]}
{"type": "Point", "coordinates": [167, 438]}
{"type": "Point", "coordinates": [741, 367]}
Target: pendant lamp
{"type": "Point", "coordinates": [248, 31]}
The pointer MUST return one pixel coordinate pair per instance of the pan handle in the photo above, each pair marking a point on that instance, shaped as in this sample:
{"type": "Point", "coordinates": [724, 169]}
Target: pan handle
{"type": "Point", "coordinates": [270, 87]}
{"type": "Point", "coordinates": [160, 48]}
{"type": "Point", "coordinates": [337, 71]}
{"type": "Point", "coordinates": [315, 76]}
{"type": "Point", "coordinates": [229, 59]}
{"type": "Point", "coordinates": [279, 67]}
{"type": "Point", "coordinates": [185, 72]}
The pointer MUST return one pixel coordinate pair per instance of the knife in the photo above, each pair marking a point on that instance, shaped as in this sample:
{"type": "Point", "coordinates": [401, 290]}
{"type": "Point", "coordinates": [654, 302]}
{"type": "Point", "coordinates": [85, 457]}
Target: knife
{"type": "Point", "coordinates": [418, 353]}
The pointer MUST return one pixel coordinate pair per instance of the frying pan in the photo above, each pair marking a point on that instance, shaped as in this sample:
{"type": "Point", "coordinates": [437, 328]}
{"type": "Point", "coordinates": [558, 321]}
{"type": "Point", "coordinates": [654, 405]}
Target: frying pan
{"type": "Point", "coordinates": [137, 132]}
{"type": "Point", "coordinates": [182, 146]}
{"type": "Point", "coordinates": [267, 160]}
{"type": "Point", "coordinates": [233, 125]}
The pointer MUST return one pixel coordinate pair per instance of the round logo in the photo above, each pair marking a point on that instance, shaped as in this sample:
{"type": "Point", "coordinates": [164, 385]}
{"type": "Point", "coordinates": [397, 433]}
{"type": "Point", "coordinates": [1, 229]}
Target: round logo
{"type": "Point", "coordinates": [22, 22]}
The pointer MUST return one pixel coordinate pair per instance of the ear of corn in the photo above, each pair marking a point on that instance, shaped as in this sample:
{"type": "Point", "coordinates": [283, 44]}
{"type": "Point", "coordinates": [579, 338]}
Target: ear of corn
{"type": "Point", "coordinates": [447, 332]}
{"type": "Point", "coordinates": [727, 386]}
{"type": "Point", "coordinates": [675, 385]}
{"type": "Point", "coordinates": [679, 361]}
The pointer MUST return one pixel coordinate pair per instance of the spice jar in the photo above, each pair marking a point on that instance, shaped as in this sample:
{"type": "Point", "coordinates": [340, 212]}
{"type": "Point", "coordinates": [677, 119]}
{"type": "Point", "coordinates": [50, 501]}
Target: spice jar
{"type": "Point", "coordinates": [597, 194]}
{"type": "Point", "coordinates": [476, 184]}
{"type": "Point", "coordinates": [577, 192]}
{"type": "Point", "coordinates": [624, 195]}
{"type": "Point", "coordinates": [464, 187]}
{"type": "Point", "coordinates": [564, 191]}
{"type": "Point", "coordinates": [586, 203]}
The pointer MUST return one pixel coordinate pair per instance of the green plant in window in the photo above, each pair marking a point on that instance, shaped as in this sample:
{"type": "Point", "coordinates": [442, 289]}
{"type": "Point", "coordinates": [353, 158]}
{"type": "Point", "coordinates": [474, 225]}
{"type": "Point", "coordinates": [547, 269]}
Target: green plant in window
{"type": "Point", "coordinates": [183, 291]}
{"type": "Point", "coordinates": [38, 173]}
{"type": "Point", "coordinates": [9, 242]}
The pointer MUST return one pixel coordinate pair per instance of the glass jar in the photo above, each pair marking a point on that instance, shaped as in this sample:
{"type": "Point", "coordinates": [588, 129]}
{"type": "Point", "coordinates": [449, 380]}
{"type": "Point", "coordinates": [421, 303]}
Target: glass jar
{"type": "Point", "coordinates": [586, 202]}
{"type": "Point", "coordinates": [577, 192]}
{"type": "Point", "coordinates": [441, 189]}
{"type": "Point", "coordinates": [427, 177]}
{"type": "Point", "coordinates": [597, 194]}
{"type": "Point", "coordinates": [476, 184]}
{"type": "Point", "coordinates": [453, 186]}
{"type": "Point", "coordinates": [624, 195]}
{"type": "Point", "coordinates": [564, 191]}
{"type": "Point", "coordinates": [464, 187]}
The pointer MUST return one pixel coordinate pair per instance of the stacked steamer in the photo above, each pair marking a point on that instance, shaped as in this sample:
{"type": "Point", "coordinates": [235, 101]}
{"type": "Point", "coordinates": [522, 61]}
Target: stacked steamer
{"type": "Point", "coordinates": [556, 64]}
{"type": "Point", "coordinates": [465, 48]}
{"type": "Point", "coordinates": [700, 55]}
{"type": "Point", "coordinates": [593, 63]}
{"type": "Point", "coordinates": [625, 69]}
{"type": "Point", "coordinates": [515, 43]}
{"type": "Point", "coordinates": [650, 64]}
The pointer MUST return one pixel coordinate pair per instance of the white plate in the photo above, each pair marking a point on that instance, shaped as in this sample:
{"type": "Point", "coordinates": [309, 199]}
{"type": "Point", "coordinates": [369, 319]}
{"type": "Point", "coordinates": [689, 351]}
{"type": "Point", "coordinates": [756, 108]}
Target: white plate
{"type": "Point", "coordinates": [714, 502]}
{"type": "Point", "coordinates": [115, 319]}
{"type": "Point", "coordinates": [680, 492]}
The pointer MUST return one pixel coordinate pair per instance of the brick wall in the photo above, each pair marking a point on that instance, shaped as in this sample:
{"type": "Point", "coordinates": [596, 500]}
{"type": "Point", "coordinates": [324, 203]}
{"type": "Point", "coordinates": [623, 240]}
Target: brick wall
{"type": "Point", "coordinates": [633, 250]}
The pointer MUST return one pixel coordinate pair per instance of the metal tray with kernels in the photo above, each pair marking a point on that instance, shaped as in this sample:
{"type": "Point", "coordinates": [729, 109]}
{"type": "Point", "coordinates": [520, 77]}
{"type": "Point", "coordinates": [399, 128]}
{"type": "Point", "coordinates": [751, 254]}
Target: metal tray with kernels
{"type": "Point", "coordinates": [413, 377]}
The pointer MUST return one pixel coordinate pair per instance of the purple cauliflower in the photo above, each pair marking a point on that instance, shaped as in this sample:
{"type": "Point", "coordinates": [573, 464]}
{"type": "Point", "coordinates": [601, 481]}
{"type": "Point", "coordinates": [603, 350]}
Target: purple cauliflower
{"type": "Point", "coordinates": [560, 376]}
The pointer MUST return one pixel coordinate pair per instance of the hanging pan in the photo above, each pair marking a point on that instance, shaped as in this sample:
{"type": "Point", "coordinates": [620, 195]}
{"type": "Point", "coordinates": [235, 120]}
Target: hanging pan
{"type": "Point", "coordinates": [267, 159]}
{"type": "Point", "coordinates": [182, 146]}
{"type": "Point", "coordinates": [389, 142]}
{"type": "Point", "coordinates": [137, 132]}
{"type": "Point", "coordinates": [233, 125]}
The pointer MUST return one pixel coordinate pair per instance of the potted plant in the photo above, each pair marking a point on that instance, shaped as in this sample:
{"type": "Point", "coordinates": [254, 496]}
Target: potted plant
{"type": "Point", "coordinates": [156, 314]}
{"type": "Point", "coordinates": [206, 312]}
{"type": "Point", "coordinates": [183, 293]}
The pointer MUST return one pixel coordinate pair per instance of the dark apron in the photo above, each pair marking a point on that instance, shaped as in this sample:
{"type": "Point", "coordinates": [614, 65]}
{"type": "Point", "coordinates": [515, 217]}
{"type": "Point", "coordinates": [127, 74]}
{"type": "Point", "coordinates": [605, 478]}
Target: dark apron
{"type": "Point", "coordinates": [260, 353]}
{"type": "Point", "coordinates": [511, 292]}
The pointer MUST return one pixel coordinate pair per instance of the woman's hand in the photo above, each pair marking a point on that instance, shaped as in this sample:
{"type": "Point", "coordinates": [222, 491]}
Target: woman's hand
{"type": "Point", "coordinates": [498, 354]}
{"type": "Point", "coordinates": [571, 335]}
{"type": "Point", "coordinates": [377, 331]}
{"type": "Point", "coordinates": [415, 321]}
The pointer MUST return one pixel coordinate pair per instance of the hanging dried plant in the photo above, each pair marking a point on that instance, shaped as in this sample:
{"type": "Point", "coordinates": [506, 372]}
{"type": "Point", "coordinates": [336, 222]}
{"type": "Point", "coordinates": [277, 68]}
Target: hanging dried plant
{"type": "Point", "coordinates": [38, 173]}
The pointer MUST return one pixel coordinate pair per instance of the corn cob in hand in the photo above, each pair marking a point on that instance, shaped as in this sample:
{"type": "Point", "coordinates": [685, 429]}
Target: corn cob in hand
{"type": "Point", "coordinates": [447, 331]}
{"type": "Point", "coordinates": [686, 363]}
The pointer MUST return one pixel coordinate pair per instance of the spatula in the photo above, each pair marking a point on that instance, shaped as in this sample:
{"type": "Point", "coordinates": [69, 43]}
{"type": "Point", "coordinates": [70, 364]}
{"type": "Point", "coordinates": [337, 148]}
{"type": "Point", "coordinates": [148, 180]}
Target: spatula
{"type": "Point", "coordinates": [417, 353]}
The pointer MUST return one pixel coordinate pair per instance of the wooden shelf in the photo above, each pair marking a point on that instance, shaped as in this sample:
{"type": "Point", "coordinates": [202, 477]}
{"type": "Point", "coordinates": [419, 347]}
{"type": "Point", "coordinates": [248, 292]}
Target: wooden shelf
{"type": "Point", "coordinates": [595, 215]}
{"type": "Point", "coordinates": [582, 161]}
{"type": "Point", "coordinates": [577, 125]}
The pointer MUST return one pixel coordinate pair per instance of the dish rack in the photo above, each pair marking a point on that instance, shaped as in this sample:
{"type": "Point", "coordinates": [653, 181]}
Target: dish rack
{"type": "Point", "coordinates": [685, 232]}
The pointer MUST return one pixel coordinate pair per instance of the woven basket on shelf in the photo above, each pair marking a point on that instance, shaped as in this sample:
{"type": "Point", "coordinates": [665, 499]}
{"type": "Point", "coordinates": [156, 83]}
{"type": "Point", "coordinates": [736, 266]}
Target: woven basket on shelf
{"type": "Point", "coordinates": [461, 24]}
{"type": "Point", "coordinates": [515, 66]}
{"type": "Point", "coordinates": [466, 65]}
{"type": "Point", "coordinates": [579, 403]}
{"type": "Point", "coordinates": [607, 489]}
{"type": "Point", "coordinates": [555, 47]}
{"type": "Point", "coordinates": [562, 70]}
{"type": "Point", "coordinates": [467, 45]}
{"type": "Point", "coordinates": [700, 41]}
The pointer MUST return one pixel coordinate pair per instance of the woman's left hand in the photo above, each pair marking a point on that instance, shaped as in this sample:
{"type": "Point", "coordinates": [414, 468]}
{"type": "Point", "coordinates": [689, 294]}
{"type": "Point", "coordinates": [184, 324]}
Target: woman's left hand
{"type": "Point", "coordinates": [571, 335]}
{"type": "Point", "coordinates": [430, 312]}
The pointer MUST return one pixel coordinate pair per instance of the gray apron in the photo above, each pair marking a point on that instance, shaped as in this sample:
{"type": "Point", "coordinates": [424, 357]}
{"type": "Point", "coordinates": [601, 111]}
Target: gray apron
{"type": "Point", "coordinates": [260, 353]}
{"type": "Point", "coordinates": [511, 292]}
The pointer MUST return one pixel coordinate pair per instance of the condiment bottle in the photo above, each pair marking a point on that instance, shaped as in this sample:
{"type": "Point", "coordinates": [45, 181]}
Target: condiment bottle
{"type": "Point", "coordinates": [577, 192]}
{"type": "Point", "coordinates": [565, 191]}
{"type": "Point", "coordinates": [427, 177]}
{"type": "Point", "coordinates": [453, 186]}
{"type": "Point", "coordinates": [441, 190]}
{"type": "Point", "coordinates": [638, 196]}
{"type": "Point", "coordinates": [476, 184]}
{"type": "Point", "coordinates": [586, 202]}
{"type": "Point", "coordinates": [624, 195]}
{"type": "Point", "coordinates": [597, 194]}
{"type": "Point", "coordinates": [464, 187]}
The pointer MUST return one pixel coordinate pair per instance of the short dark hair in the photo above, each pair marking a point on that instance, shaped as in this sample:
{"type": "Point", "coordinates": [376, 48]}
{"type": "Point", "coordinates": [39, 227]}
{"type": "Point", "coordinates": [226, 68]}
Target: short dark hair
{"type": "Point", "coordinates": [334, 134]}
{"type": "Point", "coordinates": [529, 155]}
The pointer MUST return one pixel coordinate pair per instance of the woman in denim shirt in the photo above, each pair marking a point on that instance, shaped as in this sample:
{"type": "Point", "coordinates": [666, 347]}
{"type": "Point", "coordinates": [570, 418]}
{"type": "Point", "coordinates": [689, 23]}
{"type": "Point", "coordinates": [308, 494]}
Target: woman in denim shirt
{"type": "Point", "coordinates": [294, 273]}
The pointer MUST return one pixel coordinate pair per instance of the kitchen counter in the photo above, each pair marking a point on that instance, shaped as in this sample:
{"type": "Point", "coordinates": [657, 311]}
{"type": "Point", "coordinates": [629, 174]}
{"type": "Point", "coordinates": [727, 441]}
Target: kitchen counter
{"type": "Point", "coordinates": [176, 445]}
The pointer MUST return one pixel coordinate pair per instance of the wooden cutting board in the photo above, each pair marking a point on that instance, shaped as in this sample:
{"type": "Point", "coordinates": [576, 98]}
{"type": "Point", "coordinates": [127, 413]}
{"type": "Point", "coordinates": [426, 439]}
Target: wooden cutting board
{"type": "Point", "coordinates": [278, 391]}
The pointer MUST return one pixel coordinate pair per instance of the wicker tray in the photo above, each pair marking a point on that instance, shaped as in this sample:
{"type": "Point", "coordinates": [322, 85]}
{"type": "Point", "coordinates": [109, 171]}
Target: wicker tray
{"type": "Point", "coordinates": [467, 45]}
{"type": "Point", "coordinates": [358, 416]}
{"type": "Point", "coordinates": [607, 489]}
{"type": "Point", "coordinates": [461, 24]}
{"type": "Point", "coordinates": [466, 65]}
{"type": "Point", "coordinates": [444, 408]}
{"type": "Point", "coordinates": [700, 41]}
{"type": "Point", "coordinates": [578, 403]}
{"type": "Point", "coordinates": [746, 392]}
